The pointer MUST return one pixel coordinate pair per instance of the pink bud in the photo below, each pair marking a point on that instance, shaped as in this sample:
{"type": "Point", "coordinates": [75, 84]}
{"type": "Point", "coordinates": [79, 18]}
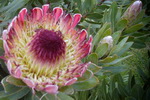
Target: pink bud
{"type": "Point", "coordinates": [133, 10]}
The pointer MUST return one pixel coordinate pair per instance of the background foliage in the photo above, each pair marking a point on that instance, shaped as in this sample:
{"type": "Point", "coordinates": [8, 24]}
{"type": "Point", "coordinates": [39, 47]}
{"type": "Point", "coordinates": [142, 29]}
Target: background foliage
{"type": "Point", "coordinates": [123, 71]}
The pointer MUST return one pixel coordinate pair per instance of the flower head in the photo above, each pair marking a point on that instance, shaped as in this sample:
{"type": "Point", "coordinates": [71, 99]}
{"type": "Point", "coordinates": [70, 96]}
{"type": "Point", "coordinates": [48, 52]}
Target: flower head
{"type": "Point", "coordinates": [133, 10]}
{"type": "Point", "coordinates": [44, 49]}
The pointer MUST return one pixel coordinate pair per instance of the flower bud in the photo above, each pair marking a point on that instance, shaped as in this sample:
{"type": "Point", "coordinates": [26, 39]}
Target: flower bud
{"type": "Point", "coordinates": [133, 10]}
{"type": "Point", "coordinates": [108, 40]}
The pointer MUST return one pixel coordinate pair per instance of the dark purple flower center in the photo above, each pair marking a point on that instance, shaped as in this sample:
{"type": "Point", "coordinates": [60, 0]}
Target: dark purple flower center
{"type": "Point", "coordinates": [47, 45]}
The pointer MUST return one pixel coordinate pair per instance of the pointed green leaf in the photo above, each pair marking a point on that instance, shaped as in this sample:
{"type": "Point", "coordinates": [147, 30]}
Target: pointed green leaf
{"type": "Point", "coordinates": [102, 49]}
{"type": "Point", "coordinates": [137, 92]}
{"type": "Point", "coordinates": [134, 28]}
{"type": "Point", "coordinates": [113, 69]}
{"type": "Point", "coordinates": [97, 37]}
{"type": "Point", "coordinates": [118, 60]}
{"type": "Point", "coordinates": [116, 36]}
{"type": "Point", "coordinates": [119, 46]}
{"type": "Point", "coordinates": [113, 14]}
{"type": "Point", "coordinates": [86, 85]}
{"type": "Point", "coordinates": [125, 48]}
{"type": "Point", "coordinates": [121, 24]}
{"type": "Point", "coordinates": [106, 33]}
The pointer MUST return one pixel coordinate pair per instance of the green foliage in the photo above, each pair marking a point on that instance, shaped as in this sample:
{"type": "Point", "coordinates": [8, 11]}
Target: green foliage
{"type": "Point", "coordinates": [12, 92]}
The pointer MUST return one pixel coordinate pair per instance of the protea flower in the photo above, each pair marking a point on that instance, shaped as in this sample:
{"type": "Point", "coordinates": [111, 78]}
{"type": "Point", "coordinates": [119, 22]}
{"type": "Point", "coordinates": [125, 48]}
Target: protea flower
{"type": "Point", "coordinates": [44, 50]}
{"type": "Point", "coordinates": [132, 12]}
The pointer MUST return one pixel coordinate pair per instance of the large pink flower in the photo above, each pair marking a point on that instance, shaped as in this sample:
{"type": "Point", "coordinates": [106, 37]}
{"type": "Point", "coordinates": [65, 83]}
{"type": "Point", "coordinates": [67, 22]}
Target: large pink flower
{"type": "Point", "coordinates": [44, 49]}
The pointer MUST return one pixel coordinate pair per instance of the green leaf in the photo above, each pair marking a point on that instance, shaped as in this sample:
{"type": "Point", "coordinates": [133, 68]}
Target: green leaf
{"type": "Point", "coordinates": [125, 48]}
{"type": "Point", "coordinates": [102, 49]}
{"type": "Point", "coordinates": [114, 10]}
{"type": "Point", "coordinates": [119, 46]}
{"type": "Point", "coordinates": [117, 60]}
{"type": "Point", "coordinates": [86, 85]}
{"type": "Point", "coordinates": [87, 75]}
{"type": "Point", "coordinates": [121, 24]}
{"type": "Point", "coordinates": [94, 16]}
{"type": "Point", "coordinates": [137, 92]}
{"type": "Point", "coordinates": [94, 68]}
{"type": "Point", "coordinates": [63, 96]}
{"type": "Point", "coordinates": [97, 37]}
{"type": "Point", "coordinates": [93, 57]}
{"type": "Point", "coordinates": [131, 81]}
{"type": "Point", "coordinates": [88, 5]}
{"type": "Point", "coordinates": [134, 28]}
{"type": "Point", "coordinates": [106, 16]}
{"type": "Point", "coordinates": [30, 96]}
{"type": "Point", "coordinates": [67, 89]}
{"type": "Point", "coordinates": [119, 13]}
{"type": "Point", "coordinates": [15, 94]}
{"type": "Point", "coordinates": [16, 82]}
{"type": "Point", "coordinates": [116, 36]}
{"type": "Point", "coordinates": [138, 43]}
{"type": "Point", "coordinates": [46, 96]}
{"type": "Point", "coordinates": [107, 33]}
{"type": "Point", "coordinates": [113, 69]}
{"type": "Point", "coordinates": [122, 90]}
{"type": "Point", "coordinates": [7, 86]}
{"type": "Point", "coordinates": [115, 94]}
{"type": "Point", "coordinates": [109, 59]}
{"type": "Point", "coordinates": [11, 91]}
